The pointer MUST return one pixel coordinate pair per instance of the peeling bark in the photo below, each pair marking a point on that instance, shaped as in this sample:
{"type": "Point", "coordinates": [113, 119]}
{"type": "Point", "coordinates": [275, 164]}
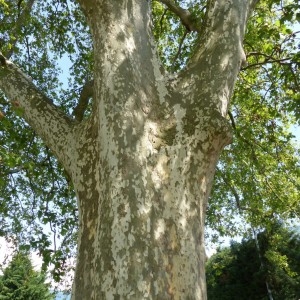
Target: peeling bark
{"type": "Point", "coordinates": [143, 163]}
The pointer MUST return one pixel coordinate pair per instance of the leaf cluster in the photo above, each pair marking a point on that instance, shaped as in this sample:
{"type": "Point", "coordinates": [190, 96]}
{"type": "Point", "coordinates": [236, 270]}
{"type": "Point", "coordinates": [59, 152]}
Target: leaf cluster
{"type": "Point", "coordinates": [243, 270]}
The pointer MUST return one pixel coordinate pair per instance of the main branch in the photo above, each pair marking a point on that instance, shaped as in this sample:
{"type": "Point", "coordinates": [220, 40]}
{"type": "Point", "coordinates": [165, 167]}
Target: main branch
{"type": "Point", "coordinates": [55, 128]}
{"type": "Point", "coordinates": [219, 55]}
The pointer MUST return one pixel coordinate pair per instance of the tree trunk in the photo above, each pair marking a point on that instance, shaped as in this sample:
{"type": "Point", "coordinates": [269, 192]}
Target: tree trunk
{"type": "Point", "coordinates": [142, 195]}
{"type": "Point", "coordinates": [142, 220]}
{"type": "Point", "coordinates": [146, 171]}
{"type": "Point", "coordinates": [143, 163]}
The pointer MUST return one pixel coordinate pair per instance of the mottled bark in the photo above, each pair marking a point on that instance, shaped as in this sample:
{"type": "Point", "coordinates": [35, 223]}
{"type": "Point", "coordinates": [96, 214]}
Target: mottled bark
{"type": "Point", "coordinates": [143, 163]}
{"type": "Point", "coordinates": [51, 124]}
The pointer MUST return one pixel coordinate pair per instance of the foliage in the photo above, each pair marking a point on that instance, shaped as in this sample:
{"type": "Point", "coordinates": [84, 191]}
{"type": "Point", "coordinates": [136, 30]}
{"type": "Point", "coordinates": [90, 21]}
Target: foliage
{"type": "Point", "coordinates": [20, 282]}
{"type": "Point", "coordinates": [258, 175]}
{"type": "Point", "coordinates": [241, 271]}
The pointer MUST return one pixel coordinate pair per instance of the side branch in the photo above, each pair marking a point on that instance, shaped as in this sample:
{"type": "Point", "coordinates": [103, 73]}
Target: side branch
{"type": "Point", "coordinates": [50, 123]}
{"type": "Point", "coordinates": [184, 15]}
{"type": "Point", "coordinates": [86, 94]}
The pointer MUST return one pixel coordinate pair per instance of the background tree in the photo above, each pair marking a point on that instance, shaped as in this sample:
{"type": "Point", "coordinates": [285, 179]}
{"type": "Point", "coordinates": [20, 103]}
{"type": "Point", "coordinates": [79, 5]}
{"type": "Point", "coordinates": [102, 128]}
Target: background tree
{"type": "Point", "coordinates": [165, 113]}
{"type": "Point", "coordinates": [242, 270]}
{"type": "Point", "coordinates": [21, 282]}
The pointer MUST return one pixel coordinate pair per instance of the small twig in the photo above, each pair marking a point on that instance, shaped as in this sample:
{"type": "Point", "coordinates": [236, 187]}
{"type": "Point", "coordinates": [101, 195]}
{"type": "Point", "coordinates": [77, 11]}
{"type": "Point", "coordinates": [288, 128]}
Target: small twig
{"type": "Point", "coordinates": [180, 46]}
{"type": "Point", "coordinates": [292, 35]}
{"type": "Point", "coordinates": [234, 192]}
{"type": "Point", "coordinates": [295, 77]}
{"type": "Point", "coordinates": [28, 49]}
{"type": "Point", "coordinates": [232, 120]}
{"type": "Point", "coordinates": [161, 20]}
{"type": "Point", "coordinates": [52, 228]}
{"type": "Point", "coordinates": [267, 61]}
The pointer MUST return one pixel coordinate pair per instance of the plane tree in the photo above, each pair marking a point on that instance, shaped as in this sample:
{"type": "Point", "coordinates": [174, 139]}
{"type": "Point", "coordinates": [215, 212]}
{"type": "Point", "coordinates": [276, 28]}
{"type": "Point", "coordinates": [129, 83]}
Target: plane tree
{"type": "Point", "coordinates": [138, 130]}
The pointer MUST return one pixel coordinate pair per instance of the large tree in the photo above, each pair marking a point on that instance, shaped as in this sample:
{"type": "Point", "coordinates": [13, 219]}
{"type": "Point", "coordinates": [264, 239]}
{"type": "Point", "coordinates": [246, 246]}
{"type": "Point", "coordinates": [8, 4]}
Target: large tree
{"type": "Point", "coordinates": [142, 155]}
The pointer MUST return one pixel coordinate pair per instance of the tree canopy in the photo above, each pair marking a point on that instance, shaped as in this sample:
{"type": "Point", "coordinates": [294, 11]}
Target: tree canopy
{"type": "Point", "coordinates": [258, 174]}
{"type": "Point", "coordinates": [21, 282]}
{"type": "Point", "coordinates": [256, 268]}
